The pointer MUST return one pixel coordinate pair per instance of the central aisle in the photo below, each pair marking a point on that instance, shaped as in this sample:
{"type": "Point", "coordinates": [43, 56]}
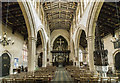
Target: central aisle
{"type": "Point", "coordinates": [61, 75]}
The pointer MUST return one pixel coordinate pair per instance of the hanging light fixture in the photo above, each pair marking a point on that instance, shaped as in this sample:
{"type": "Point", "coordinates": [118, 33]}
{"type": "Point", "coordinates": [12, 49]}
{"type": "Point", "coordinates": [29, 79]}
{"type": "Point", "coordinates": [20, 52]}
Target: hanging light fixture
{"type": "Point", "coordinates": [3, 39]}
{"type": "Point", "coordinates": [116, 40]}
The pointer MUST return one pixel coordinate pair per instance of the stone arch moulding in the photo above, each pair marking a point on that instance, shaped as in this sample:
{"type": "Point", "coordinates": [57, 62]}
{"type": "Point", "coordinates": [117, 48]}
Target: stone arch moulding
{"type": "Point", "coordinates": [28, 17]}
{"type": "Point", "coordinates": [6, 51]}
{"type": "Point", "coordinates": [78, 34]}
{"type": "Point", "coordinates": [42, 37]}
{"type": "Point", "coordinates": [44, 47]}
{"type": "Point", "coordinates": [77, 39]}
{"type": "Point", "coordinates": [58, 36]}
{"type": "Point", "coordinates": [81, 27]}
{"type": "Point", "coordinates": [114, 54]}
{"type": "Point", "coordinates": [58, 33]}
{"type": "Point", "coordinates": [94, 13]}
{"type": "Point", "coordinates": [43, 33]}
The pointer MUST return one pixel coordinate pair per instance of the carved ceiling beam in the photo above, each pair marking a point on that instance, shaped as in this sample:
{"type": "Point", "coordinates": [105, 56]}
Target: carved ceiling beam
{"type": "Point", "coordinates": [62, 25]}
{"type": "Point", "coordinates": [110, 4]}
{"type": "Point", "coordinates": [59, 9]}
{"type": "Point", "coordinates": [11, 10]}
{"type": "Point", "coordinates": [59, 20]}
{"type": "Point", "coordinates": [109, 18]}
{"type": "Point", "coordinates": [58, 27]}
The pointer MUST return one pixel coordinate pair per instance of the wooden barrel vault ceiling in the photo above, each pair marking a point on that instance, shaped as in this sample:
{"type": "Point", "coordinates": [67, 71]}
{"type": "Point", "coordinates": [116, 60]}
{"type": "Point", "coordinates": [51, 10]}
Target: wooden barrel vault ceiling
{"type": "Point", "coordinates": [59, 14]}
{"type": "Point", "coordinates": [109, 18]}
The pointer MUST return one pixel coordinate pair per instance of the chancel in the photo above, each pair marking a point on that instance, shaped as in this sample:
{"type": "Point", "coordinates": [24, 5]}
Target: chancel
{"type": "Point", "coordinates": [60, 52]}
{"type": "Point", "coordinates": [45, 41]}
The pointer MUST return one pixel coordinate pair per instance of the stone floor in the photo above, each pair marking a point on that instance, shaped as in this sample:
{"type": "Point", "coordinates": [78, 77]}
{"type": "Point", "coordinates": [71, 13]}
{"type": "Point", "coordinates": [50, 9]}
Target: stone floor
{"type": "Point", "coordinates": [62, 76]}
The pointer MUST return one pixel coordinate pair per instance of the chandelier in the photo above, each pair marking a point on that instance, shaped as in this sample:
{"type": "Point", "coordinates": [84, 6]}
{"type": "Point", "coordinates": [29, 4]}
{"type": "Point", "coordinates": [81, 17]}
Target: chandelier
{"type": "Point", "coordinates": [3, 39]}
{"type": "Point", "coordinates": [6, 41]}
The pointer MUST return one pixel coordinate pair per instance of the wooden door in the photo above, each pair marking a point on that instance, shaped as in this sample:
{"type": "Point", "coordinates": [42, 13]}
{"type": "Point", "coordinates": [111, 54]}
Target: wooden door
{"type": "Point", "coordinates": [5, 64]}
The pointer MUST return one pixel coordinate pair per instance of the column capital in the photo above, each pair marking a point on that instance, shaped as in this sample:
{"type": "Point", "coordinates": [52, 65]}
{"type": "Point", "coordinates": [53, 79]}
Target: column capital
{"type": "Point", "coordinates": [90, 38]}
{"type": "Point", "coordinates": [32, 38]}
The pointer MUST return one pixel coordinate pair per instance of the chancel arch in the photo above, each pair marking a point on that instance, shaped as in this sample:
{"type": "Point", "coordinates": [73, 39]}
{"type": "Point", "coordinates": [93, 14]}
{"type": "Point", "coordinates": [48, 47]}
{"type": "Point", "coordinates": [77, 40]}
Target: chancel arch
{"type": "Point", "coordinates": [60, 52]}
{"type": "Point", "coordinates": [57, 33]}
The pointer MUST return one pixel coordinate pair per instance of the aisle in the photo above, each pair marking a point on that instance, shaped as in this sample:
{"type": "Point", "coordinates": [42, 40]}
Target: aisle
{"type": "Point", "coordinates": [61, 75]}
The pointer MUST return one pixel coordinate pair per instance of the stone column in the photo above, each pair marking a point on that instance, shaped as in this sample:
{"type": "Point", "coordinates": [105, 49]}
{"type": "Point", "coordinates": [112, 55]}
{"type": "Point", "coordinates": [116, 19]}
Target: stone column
{"type": "Point", "coordinates": [44, 60]}
{"type": "Point", "coordinates": [76, 56]}
{"type": "Point", "coordinates": [50, 58]}
{"type": "Point", "coordinates": [71, 51]}
{"type": "Point", "coordinates": [31, 53]}
{"type": "Point", "coordinates": [90, 40]}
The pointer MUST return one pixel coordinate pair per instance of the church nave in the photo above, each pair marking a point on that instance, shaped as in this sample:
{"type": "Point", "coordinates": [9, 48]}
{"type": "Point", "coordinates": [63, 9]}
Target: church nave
{"type": "Point", "coordinates": [60, 41]}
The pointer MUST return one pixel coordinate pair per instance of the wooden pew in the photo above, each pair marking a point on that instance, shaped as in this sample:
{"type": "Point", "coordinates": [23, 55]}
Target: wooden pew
{"type": "Point", "coordinates": [42, 75]}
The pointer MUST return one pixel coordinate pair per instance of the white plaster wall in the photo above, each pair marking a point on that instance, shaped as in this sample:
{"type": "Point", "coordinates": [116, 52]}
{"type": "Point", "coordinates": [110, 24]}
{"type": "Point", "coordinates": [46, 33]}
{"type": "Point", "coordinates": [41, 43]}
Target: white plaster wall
{"type": "Point", "coordinates": [16, 49]}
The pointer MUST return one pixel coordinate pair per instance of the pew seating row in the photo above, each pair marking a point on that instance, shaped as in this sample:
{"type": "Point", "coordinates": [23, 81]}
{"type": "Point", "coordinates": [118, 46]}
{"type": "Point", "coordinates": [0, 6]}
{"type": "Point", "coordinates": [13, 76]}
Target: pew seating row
{"type": "Point", "coordinates": [83, 75]}
{"type": "Point", "coordinates": [41, 75]}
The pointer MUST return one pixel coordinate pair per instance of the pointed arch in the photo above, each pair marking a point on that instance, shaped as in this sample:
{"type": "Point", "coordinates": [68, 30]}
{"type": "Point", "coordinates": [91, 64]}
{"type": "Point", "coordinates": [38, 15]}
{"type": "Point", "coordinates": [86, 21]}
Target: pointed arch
{"type": "Point", "coordinates": [28, 18]}
{"type": "Point", "coordinates": [58, 33]}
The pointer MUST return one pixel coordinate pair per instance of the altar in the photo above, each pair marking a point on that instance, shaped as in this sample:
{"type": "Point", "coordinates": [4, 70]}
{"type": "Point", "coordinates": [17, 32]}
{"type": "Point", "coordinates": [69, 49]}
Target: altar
{"type": "Point", "coordinates": [60, 58]}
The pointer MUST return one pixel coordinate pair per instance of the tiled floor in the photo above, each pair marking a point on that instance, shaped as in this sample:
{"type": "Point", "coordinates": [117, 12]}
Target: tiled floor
{"type": "Point", "coordinates": [62, 76]}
